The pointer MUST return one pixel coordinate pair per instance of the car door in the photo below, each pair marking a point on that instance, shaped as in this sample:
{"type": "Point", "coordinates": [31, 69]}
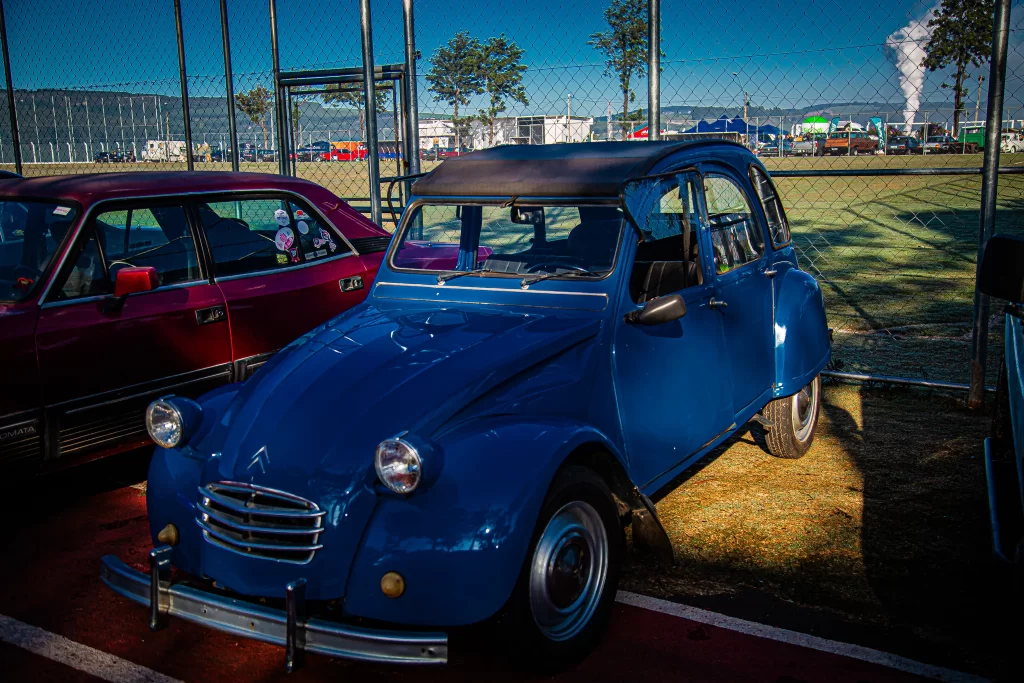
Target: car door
{"type": "Point", "coordinates": [283, 270]}
{"type": "Point", "coordinates": [672, 380]}
{"type": "Point", "coordinates": [744, 283]}
{"type": "Point", "coordinates": [103, 358]}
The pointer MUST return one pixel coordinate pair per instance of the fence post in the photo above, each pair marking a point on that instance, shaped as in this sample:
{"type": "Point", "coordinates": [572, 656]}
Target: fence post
{"type": "Point", "coordinates": [989, 187]}
{"type": "Point", "coordinates": [282, 161]}
{"type": "Point", "coordinates": [653, 69]}
{"type": "Point", "coordinates": [15, 135]}
{"type": "Point", "coordinates": [229, 81]}
{"type": "Point", "coordinates": [184, 92]}
{"type": "Point", "coordinates": [412, 118]}
{"type": "Point", "coordinates": [370, 103]}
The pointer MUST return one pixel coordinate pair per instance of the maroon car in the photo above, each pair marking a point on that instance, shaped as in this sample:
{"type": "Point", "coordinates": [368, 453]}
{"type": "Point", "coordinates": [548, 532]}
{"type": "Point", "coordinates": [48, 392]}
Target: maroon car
{"type": "Point", "coordinates": [117, 288]}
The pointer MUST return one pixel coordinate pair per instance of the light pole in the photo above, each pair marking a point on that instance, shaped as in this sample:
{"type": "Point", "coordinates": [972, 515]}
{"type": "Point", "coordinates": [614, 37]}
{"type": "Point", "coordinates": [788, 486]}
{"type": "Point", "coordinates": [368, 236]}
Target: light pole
{"type": "Point", "coordinates": [746, 102]}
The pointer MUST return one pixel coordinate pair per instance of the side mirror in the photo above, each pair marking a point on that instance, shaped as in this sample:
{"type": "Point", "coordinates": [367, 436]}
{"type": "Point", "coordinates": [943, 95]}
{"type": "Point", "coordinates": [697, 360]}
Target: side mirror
{"type": "Point", "coordinates": [134, 280]}
{"type": "Point", "coordinates": [1002, 268]}
{"type": "Point", "coordinates": [657, 311]}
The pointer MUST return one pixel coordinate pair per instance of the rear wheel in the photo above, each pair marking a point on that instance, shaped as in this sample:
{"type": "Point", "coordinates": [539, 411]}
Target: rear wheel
{"type": "Point", "coordinates": [794, 420]}
{"type": "Point", "coordinates": [563, 601]}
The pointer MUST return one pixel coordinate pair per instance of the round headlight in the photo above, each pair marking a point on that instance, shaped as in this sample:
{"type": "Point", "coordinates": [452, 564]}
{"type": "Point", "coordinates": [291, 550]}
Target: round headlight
{"type": "Point", "coordinates": [164, 423]}
{"type": "Point", "coordinates": [398, 465]}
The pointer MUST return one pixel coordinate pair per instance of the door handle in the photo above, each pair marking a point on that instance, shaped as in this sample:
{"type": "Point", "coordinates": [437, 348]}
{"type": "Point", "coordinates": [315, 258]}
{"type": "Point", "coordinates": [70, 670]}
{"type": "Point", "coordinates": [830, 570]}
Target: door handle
{"type": "Point", "coordinates": [213, 314]}
{"type": "Point", "coordinates": [771, 273]}
{"type": "Point", "coordinates": [351, 284]}
{"type": "Point", "coordinates": [716, 303]}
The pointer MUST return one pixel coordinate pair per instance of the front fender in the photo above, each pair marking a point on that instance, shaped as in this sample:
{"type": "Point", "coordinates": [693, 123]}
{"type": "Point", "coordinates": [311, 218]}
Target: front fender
{"type": "Point", "coordinates": [460, 544]}
{"type": "Point", "coordinates": [802, 347]}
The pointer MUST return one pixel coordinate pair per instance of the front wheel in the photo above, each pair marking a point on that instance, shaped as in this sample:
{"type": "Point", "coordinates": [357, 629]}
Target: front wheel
{"type": "Point", "coordinates": [562, 604]}
{"type": "Point", "coordinates": [794, 420]}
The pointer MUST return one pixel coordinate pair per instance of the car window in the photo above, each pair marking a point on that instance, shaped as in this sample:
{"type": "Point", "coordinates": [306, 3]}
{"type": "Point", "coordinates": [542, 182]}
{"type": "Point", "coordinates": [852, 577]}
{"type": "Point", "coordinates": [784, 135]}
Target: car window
{"type": "Point", "coordinates": [778, 227]}
{"type": "Point", "coordinates": [265, 234]}
{"type": "Point", "coordinates": [30, 233]}
{"type": "Point", "coordinates": [735, 236]}
{"type": "Point", "coordinates": [156, 236]}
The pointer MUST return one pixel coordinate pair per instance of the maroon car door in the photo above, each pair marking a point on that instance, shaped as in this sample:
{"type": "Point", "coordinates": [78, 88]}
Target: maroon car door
{"type": "Point", "coordinates": [103, 358]}
{"type": "Point", "coordinates": [283, 270]}
{"type": "Point", "coordinates": [20, 432]}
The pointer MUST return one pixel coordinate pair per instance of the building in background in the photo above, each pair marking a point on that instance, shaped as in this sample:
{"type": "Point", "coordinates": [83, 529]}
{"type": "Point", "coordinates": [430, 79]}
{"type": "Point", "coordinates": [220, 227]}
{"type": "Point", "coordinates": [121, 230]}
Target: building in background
{"type": "Point", "coordinates": [511, 130]}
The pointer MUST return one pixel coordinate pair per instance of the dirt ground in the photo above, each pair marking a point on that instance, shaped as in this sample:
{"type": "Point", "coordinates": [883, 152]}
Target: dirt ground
{"type": "Point", "coordinates": [878, 536]}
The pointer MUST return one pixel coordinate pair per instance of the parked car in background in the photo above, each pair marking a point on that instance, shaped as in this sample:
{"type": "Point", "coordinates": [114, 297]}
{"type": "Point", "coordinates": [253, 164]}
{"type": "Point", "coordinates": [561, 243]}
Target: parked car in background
{"type": "Point", "coordinates": [252, 154]}
{"type": "Point", "coordinates": [119, 288]}
{"type": "Point", "coordinates": [850, 142]}
{"type": "Point", "coordinates": [312, 152]}
{"type": "Point", "coordinates": [1002, 276]}
{"type": "Point", "coordinates": [112, 157]}
{"type": "Point", "coordinates": [810, 145]}
{"type": "Point", "coordinates": [345, 154]}
{"type": "Point", "coordinates": [771, 149]}
{"type": "Point", "coordinates": [903, 144]}
{"type": "Point", "coordinates": [487, 424]}
{"type": "Point", "coordinates": [972, 137]}
{"type": "Point", "coordinates": [1011, 143]}
{"type": "Point", "coordinates": [939, 144]}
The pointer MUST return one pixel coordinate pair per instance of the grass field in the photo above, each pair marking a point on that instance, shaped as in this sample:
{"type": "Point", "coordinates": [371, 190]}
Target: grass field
{"type": "Point", "coordinates": [895, 255]}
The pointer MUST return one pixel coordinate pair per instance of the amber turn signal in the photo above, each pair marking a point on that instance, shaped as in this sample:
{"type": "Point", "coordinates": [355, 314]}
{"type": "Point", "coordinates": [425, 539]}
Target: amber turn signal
{"type": "Point", "coordinates": [168, 535]}
{"type": "Point", "coordinates": [392, 584]}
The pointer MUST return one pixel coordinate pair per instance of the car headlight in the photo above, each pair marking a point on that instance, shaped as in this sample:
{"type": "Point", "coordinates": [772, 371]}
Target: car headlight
{"type": "Point", "coordinates": [164, 423]}
{"type": "Point", "coordinates": [398, 464]}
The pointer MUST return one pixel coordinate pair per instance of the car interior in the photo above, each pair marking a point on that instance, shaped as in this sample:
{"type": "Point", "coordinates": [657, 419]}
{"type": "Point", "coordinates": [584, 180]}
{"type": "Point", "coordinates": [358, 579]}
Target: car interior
{"type": "Point", "coordinates": [30, 233]}
{"type": "Point", "coordinates": [667, 257]}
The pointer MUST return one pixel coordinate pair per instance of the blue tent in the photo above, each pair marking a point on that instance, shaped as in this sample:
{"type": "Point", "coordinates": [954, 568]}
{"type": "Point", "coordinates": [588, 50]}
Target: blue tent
{"type": "Point", "coordinates": [724, 124]}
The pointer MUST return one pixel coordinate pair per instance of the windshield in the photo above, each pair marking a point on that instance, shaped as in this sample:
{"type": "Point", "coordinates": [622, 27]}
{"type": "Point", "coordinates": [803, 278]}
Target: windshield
{"type": "Point", "coordinates": [30, 233]}
{"type": "Point", "coordinates": [518, 240]}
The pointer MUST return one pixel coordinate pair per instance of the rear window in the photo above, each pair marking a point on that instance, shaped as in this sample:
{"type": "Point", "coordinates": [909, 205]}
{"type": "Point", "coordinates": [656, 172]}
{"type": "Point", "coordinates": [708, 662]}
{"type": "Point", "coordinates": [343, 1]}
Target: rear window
{"type": "Point", "coordinates": [30, 234]}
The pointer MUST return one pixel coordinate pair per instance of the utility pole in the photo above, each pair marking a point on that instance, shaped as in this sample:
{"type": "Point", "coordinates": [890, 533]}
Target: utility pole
{"type": "Point", "coordinates": [653, 69]}
{"type": "Point", "coordinates": [609, 120]}
{"type": "Point", "coordinates": [106, 133]}
{"type": "Point", "coordinates": [568, 118]}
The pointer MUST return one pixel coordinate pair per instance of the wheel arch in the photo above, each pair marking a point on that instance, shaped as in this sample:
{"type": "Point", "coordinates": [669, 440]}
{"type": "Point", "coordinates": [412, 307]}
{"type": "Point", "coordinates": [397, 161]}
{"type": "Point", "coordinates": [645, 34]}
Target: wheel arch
{"type": "Point", "coordinates": [802, 345]}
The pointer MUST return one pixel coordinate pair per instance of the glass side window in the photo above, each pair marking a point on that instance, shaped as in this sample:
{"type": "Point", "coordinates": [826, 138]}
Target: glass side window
{"type": "Point", "coordinates": [735, 236]}
{"type": "Point", "coordinates": [257, 235]}
{"type": "Point", "coordinates": [778, 226]}
{"type": "Point", "coordinates": [667, 258]}
{"type": "Point", "coordinates": [30, 233]}
{"type": "Point", "coordinates": [157, 237]}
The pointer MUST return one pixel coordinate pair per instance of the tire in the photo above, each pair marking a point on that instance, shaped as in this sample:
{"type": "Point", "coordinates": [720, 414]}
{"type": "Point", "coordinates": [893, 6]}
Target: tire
{"type": "Point", "coordinates": [794, 420]}
{"type": "Point", "coordinates": [563, 601]}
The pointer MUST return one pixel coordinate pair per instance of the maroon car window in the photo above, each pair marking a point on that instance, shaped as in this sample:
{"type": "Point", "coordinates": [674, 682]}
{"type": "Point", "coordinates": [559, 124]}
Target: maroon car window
{"type": "Point", "coordinates": [258, 235]}
{"type": "Point", "coordinates": [157, 237]}
{"type": "Point", "coordinates": [30, 233]}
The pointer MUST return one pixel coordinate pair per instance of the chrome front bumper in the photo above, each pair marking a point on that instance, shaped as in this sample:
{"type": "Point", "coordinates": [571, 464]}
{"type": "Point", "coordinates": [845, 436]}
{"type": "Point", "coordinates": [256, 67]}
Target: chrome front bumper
{"type": "Point", "coordinates": [287, 628]}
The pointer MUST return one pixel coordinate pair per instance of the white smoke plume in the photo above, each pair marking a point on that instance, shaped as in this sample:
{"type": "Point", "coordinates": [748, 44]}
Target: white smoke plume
{"type": "Point", "coordinates": [908, 45]}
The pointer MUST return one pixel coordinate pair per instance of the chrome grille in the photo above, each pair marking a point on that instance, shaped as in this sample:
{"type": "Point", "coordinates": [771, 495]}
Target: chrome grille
{"type": "Point", "coordinates": [260, 522]}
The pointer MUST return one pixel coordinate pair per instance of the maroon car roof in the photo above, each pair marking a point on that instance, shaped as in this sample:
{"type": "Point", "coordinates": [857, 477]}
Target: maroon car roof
{"type": "Point", "coordinates": [89, 188]}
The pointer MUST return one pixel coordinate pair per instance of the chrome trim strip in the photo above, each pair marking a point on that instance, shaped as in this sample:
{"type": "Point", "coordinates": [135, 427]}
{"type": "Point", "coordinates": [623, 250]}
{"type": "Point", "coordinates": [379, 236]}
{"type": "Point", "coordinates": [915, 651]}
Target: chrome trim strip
{"type": "Point", "coordinates": [284, 531]}
{"type": "Point", "coordinates": [490, 289]}
{"type": "Point", "coordinates": [289, 269]}
{"type": "Point", "coordinates": [248, 620]}
{"type": "Point", "coordinates": [233, 504]}
{"type": "Point", "coordinates": [101, 297]}
{"type": "Point", "coordinates": [225, 370]}
{"type": "Point", "coordinates": [235, 544]}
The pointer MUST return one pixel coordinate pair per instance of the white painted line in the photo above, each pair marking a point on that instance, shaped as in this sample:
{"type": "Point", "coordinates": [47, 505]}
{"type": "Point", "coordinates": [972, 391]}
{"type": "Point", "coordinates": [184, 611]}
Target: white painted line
{"type": "Point", "coordinates": [782, 635]}
{"type": "Point", "coordinates": [82, 657]}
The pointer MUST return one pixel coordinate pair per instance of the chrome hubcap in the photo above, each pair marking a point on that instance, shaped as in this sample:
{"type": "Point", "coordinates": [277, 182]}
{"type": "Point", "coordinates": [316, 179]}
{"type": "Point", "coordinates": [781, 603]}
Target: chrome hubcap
{"type": "Point", "coordinates": [568, 571]}
{"type": "Point", "coordinates": [805, 410]}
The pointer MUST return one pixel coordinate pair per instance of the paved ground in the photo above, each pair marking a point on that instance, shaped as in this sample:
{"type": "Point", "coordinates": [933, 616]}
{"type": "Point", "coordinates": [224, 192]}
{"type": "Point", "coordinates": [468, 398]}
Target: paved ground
{"type": "Point", "coordinates": [60, 623]}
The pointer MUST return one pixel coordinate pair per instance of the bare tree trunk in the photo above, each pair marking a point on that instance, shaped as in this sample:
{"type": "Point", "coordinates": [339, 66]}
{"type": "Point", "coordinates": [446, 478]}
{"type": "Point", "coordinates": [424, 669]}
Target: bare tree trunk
{"type": "Point", "coordinates": [958, 97]}
{"type": "Point", "coordinates": [625, 109]}
{"type": "Point", "coordinates": [455, 122]}
{"type": "Point", "coordinates": [263, 125]}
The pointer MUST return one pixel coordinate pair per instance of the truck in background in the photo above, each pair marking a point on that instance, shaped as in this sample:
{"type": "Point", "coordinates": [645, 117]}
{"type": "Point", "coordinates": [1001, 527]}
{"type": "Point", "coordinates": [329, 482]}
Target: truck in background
{"type": "Point", "coordinates": [165, 150]}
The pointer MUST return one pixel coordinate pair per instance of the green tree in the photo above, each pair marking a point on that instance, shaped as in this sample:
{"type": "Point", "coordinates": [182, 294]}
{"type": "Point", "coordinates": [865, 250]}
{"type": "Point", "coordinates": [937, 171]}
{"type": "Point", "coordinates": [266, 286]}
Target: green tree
{"type": "Point", "coordinates": [961, 37]}
{"type": "Point", "coordinates": [356, 99]}
{"type": "Point", "coordinates": [455, 76]}
{"type": "Point", "coordinates": [256, 104]}
{"type": "Point", "coordinates": [502, 67]}
{"type": "Point", "coordinates": [624, 47]}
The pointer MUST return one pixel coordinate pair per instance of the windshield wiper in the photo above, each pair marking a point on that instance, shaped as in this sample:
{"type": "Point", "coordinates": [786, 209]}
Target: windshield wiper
{"type": "Point", "coordinates": [531, 279]}
{"type": "Point", "coordinates": [452, 274]}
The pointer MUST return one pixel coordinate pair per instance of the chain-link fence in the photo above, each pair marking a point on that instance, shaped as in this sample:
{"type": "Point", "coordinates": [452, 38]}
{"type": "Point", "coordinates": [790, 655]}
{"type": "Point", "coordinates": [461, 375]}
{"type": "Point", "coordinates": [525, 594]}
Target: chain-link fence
{"type": "Point", "coordinates": [895, 253]}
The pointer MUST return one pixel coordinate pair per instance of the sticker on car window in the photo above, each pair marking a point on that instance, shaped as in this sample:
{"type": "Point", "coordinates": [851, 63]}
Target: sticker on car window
{"type": "Point", "coordinates": [324, 240]}
{"type": "Point", "coordinates": [300, 215]}
{"type": "Point", "coordinates": [294, 254]}
{"type": "Point", "coordinates": [284, 239]}
{"type": "Point", "coordinates": [62, 211]}
{"type": "Point", "coordinates": [321, 252]}
{"type": "Point", "coordinates": [282, 259]}
{"type": "Point", "coordinates": [281, 216]}
{"type": "Point", "coordinates": [303, 226]}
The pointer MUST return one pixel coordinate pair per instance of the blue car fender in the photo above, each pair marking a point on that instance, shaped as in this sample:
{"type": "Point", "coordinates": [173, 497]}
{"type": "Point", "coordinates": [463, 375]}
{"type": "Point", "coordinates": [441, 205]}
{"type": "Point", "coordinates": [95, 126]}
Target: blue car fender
{"type": "Point", "coordinates": [802, 346]}
{"type": "Point", "coordinates": [461, 543]}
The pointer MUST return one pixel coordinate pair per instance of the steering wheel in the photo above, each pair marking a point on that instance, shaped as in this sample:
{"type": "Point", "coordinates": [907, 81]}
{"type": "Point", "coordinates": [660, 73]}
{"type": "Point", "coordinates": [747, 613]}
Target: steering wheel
{"type": "Point", "coordinates": [568, 266]}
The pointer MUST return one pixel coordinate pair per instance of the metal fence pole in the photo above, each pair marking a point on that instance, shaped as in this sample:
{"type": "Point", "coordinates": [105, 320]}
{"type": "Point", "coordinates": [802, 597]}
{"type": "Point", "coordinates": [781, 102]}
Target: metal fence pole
{"type": "Point", "coordinates": [989, 184]}
{"type": "Point", "coordinates": [230, 84]}
{"type": "Point", "coordinates": [12, 107]}
{"type": "Point", "coordinates": [654, 69]}
{"type": "Point", "coordinates": [184, 91]}
{"type": "Point", "coordinates": [370, 95]}
{"type": "Point", "coordinates": [282, 161]}
{"type": "Point", "coordinates": [412, 118]}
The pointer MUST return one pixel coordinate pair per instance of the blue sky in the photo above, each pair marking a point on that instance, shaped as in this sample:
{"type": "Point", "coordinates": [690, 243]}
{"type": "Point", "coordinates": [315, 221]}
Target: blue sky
{"type": "Point", "coordinates": [787, 54]}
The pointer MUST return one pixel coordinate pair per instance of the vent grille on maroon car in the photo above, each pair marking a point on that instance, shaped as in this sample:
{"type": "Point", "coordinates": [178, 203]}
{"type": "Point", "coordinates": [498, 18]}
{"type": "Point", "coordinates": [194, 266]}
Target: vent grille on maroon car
{"type": "Point", "coordinates": [260, 522]}
{"type": "Point", "coordinates": [370, 245]}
